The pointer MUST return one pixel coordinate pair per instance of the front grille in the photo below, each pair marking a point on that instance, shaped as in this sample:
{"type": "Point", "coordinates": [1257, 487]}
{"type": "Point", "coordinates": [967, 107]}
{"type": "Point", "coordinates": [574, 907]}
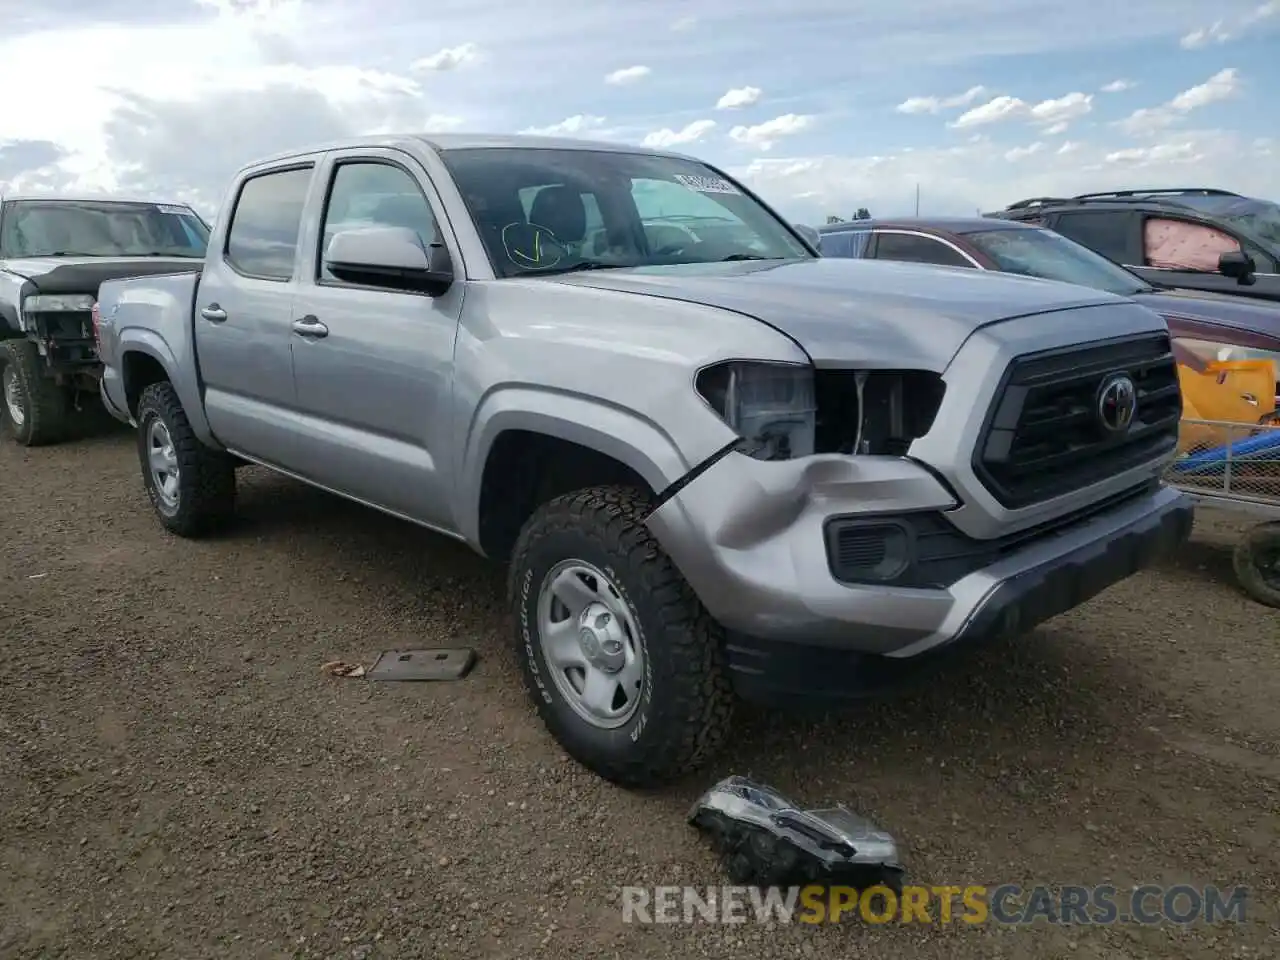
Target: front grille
{"type": "Point", "coordinates": [1045, 437]}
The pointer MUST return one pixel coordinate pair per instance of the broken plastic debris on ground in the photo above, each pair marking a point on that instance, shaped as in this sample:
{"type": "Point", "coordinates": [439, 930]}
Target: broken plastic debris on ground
{"type": "Point", "coordinates": [340, 668]}
{"type": "Point", "coordinates": [766, 840]}
{"type": "Point", "coordinates": [442, 664]}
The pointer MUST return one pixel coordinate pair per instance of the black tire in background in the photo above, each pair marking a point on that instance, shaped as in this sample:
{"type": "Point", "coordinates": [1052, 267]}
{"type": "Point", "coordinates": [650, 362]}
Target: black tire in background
{"type": "Point", "coordinates": [206, 482]}
{"type": "Point", "coordinates": [686, 706]}
{"type": "Point", "coordinates": [1257, 563]}
{"type": "Point", "coordinates": [45, 405]}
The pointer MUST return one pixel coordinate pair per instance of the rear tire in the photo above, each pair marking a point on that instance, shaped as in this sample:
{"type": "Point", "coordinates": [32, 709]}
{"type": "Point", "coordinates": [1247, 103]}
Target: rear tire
{"type": "Point", "coordinates": [191, 487]}
{"type": "Point", "coordinates": [35, 410]}
{"type": "Point", "coordinates": [1257, 563]}
{"type": "Point", "coordinates": [673, 649]}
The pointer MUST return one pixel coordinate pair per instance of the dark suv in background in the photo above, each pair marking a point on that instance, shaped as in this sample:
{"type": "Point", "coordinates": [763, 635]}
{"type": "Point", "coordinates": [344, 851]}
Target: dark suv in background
{"type": "Point", "coordinates": [1197, 238]}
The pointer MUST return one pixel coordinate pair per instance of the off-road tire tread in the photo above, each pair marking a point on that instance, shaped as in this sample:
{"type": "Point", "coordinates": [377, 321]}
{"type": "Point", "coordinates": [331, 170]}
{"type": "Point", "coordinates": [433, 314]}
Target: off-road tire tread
{"type": "Point", "coordinates": [1245, 561]}
{"type": "Point", "coordinates": [48, 407]}
{"type": "Point", "coordinates": [698, 700]}
{"type": "Point", "coordinates": [207, 503]}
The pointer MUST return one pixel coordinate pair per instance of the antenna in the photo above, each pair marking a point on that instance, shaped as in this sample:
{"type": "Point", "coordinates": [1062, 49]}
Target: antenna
{"type": "Point", "coordinates": [917, 199]}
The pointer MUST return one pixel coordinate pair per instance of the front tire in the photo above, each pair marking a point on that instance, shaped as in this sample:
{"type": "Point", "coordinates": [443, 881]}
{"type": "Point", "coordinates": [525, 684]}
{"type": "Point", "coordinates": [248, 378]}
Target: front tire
{"type": "Point", "coordinates": [191, 487]}
{"type": "Point", "coordinates": [33, 407]}
{"type": "Point", "coordinates": [625, 666]}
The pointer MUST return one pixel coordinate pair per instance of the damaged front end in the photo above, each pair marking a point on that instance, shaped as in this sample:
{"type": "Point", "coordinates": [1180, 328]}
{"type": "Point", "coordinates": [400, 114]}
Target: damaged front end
{"type": "Point", "coordinates": [765, 840]}
{"type": "Point", "coordinates": [786, 411]}
{"type": "Point", "coordinates": [61, 326]}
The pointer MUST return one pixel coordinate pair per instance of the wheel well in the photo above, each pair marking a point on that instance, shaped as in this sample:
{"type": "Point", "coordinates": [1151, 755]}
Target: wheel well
{"type": "Point", "coordinates": [525, 470]}
{"type": "Point", "coordinates": [140, 370]}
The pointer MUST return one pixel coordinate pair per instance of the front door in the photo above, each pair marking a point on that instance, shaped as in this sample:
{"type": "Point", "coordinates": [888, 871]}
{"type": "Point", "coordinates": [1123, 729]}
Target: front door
{"type": "Point", "coordinates": [373, 367]}
{"type": "Point", "coordinates": [244, 315]}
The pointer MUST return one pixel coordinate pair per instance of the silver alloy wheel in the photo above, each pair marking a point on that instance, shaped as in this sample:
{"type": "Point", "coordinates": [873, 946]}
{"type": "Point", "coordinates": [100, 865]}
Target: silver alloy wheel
{"type": "Point", "coordinates": [590, 643]}
{"type": "Point", "coordinates": [163, 461]}
{"type": "Point", "coordinates": [13, 396]}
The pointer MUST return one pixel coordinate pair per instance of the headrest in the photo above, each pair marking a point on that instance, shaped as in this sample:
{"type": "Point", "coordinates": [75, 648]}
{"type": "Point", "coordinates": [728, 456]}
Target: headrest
{"type": "Point", "coordinates": [560, 210]}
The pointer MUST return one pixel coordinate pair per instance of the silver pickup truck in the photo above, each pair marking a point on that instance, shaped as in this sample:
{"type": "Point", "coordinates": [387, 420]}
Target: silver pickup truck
{"type": "Point", "coordinates": [713, 462]}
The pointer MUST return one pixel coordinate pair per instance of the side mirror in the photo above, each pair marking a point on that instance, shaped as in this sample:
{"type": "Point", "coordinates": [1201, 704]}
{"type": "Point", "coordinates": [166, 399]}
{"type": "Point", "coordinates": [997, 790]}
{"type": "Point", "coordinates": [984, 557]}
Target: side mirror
{"type": "Point", "coordinates": [1239, 266]}
{"type": "Point", "coordinates": [389, 257]}
{"type": "Point", "coordinates": [809, 233]}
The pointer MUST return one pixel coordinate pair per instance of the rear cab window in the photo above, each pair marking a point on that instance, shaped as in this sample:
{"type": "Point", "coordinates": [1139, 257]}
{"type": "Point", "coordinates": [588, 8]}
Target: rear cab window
{"type": "Point", "coordinates": [262, 238]}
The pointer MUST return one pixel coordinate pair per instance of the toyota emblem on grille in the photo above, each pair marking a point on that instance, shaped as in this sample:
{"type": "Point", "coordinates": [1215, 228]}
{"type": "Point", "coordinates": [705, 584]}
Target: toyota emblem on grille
{"type": "Point", "coordinates": [1117, 403]}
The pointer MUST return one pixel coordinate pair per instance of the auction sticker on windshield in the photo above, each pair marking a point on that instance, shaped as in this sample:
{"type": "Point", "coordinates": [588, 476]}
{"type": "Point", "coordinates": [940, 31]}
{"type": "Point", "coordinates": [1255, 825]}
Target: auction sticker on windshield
{"type": "Point", "coordinates": [179, 211]}
{"type": "Point", "coordinates": [707, 184]}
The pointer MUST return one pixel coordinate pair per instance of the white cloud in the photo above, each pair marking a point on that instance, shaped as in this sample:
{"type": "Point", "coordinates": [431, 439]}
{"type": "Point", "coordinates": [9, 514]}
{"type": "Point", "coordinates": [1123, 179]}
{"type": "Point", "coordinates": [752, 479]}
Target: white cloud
{"type": "Point", "coordinates": [1057, 128]}
{"type": "Point", "coordinates": [1118, 86]}
{"type": "Point", "coordinates": [691, 133]}
{"type": "Point", "coordinates": [684, 24]}
{"type": "Point", "coordinates": [763, 136]}
{"type": "Point", "coordinates": [627, 75]}
{"type": "Point", "coordinates": [1161, 153]}
{"type": "Point", "coordinates": [1264, 12]}
{"type": "Point", "coordinates": [1221, 86]}
{"type": "Point", "coordinates": [1021, 153]}
{"type": "Point", "coordinates": [1058, 113]}
{"type": "Point", "coordinates": [955, 180]}
{"type": "Point", "coordinates": [915, 105]}
{"type": "Point", "coordinates": [739, 97]}
{"type": "Point", "coordinates": [1204, 36]}
{"type": "Point", "coordinates": [450, 58]}
{"type": "Point", "coordinates": [577, 125]}
{"type": "Point", "coordinates": [993, 111]}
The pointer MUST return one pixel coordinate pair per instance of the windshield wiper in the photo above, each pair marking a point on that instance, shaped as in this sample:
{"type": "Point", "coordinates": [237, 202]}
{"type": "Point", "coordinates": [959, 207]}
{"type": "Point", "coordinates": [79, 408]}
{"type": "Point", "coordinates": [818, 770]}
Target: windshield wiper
{"type": "Point", "coordinates": [747, 256]}
{"type": "Point", "coordinates": [576, 267]}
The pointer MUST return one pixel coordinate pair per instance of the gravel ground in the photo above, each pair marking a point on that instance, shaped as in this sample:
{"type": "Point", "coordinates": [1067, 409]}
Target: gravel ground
{"type": "Point", "coordinates": [178, 779]}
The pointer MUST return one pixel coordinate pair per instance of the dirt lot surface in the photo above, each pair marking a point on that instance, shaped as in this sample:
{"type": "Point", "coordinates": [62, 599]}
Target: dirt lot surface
{"type": "Point", "coordinates": [177, 778]}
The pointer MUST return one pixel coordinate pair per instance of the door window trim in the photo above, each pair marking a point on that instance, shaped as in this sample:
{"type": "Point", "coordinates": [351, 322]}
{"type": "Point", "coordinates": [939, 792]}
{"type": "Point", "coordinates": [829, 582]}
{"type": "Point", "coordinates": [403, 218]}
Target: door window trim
{"type": "Point", "coordinates": [259, 174]}
{"type": "Point", "coordinates": [337, 164]}
{"type": "Point", "coordinates": [899, 231]}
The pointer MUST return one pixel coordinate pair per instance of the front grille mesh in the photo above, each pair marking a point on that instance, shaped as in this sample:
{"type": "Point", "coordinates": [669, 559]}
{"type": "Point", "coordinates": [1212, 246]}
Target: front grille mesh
{"type": "Point", "coordinates": [1044, 437]}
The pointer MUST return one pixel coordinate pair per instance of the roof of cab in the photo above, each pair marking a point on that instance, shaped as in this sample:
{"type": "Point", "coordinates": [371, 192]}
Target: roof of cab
{"type": "Point", "coordinates": [443, 142]}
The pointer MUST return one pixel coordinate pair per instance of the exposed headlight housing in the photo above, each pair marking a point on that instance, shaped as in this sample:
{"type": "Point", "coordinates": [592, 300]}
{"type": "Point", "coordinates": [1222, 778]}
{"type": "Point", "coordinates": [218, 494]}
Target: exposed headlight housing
{"type": "Point", "coordinates": [770, 405]}
{"type": "Point", "coordinates": [57, 303]}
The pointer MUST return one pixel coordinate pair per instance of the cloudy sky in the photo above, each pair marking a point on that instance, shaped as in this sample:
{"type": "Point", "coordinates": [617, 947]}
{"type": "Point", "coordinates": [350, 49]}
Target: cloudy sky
{"type": "Point", "coordinates": [824, 105]}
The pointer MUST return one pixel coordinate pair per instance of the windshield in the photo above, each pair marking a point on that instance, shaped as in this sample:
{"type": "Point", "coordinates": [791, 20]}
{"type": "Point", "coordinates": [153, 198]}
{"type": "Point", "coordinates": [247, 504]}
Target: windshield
{"type": "Point", "coordinates": [542, 211]}
{"type": "Point", "coordinates": [1051, 256]}
{"type": "Point", "coordinates": [1261, 218]}
{"type": "Point", "coordinates": [66, 228]}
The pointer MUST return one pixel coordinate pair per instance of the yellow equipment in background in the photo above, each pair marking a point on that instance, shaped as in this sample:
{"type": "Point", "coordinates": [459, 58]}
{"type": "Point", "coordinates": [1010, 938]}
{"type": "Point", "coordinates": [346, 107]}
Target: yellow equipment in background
{"type": "Point", "coordinates": [1237, 391]}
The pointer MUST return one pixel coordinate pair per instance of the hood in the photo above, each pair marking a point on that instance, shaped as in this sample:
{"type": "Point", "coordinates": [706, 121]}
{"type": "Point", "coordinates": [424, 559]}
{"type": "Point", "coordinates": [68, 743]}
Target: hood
{"type": "Point", "coordinates": [878, 312]}
{"type": "Point", "coordinates": [84, 274]}
{"type": "Point", "coordinates": [1245, 317]}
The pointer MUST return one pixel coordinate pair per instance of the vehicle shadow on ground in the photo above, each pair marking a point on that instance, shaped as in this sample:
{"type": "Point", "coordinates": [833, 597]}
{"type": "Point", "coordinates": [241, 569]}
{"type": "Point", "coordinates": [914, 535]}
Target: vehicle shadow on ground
{"type": "Point", "coordinates": [1036, 691]}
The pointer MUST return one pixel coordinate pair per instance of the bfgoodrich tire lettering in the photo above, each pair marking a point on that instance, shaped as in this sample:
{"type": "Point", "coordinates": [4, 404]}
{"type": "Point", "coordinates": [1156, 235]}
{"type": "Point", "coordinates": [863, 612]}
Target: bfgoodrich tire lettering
{"type": "Point", "coordinates": [686, 703]}
{"type": "Point", "coordinates": [206, 481]}
{"type": "Point", "coordinates": [42, 405]}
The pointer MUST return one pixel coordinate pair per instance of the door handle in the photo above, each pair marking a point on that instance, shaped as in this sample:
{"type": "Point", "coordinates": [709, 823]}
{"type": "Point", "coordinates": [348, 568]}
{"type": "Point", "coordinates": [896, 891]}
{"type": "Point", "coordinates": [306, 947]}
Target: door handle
{"type": "Point", "coordinates": [214, 313]}
{"type": "Point", "coordinates": [310, 326]}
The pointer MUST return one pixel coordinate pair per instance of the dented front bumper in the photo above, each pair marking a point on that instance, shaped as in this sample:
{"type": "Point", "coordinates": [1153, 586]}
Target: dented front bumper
{"type": "Point", "coordinates": [754, 541]}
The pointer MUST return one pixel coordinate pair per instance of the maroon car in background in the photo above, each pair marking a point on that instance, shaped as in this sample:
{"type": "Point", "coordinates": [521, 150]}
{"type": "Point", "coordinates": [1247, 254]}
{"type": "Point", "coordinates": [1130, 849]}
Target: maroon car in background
{"type": "Point", "coordinates": [1243, 327]}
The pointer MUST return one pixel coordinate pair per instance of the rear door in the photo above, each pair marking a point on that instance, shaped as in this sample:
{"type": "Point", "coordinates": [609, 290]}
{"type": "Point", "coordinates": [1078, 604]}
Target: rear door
{"type": "Point", "coordinates": [374, 385]}
{"type": "Point", "coordinates": [244, 312]}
